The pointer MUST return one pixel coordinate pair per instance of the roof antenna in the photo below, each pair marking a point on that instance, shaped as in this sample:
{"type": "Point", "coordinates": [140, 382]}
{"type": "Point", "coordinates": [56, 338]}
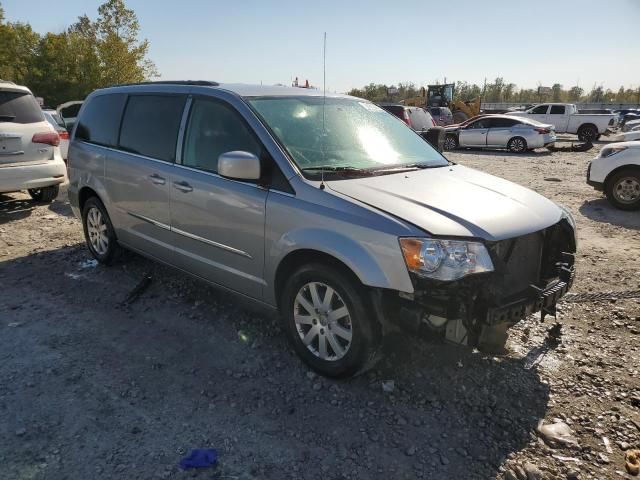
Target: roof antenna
{"type": "Point", "coordinates": [324, 100]}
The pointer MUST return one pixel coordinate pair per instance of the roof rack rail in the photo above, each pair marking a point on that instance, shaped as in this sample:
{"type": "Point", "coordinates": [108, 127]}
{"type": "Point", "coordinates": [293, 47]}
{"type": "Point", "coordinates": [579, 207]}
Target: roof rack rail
{"type": "Point", "coordinates": [199, 83]}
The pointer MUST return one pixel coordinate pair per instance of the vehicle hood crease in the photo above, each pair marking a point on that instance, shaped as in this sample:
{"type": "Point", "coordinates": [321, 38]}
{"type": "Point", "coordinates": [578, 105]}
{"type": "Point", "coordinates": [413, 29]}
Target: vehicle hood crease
{"type": "Point", "coordinates": [455, 201]}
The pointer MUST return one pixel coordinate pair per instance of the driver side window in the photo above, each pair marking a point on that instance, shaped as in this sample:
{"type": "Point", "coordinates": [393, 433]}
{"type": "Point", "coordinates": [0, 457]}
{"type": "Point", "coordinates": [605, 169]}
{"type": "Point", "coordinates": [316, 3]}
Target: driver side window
{"type": "Point", "coordinates": [478, 124]}
{"type": "Point", "coordinates": [213, 129]}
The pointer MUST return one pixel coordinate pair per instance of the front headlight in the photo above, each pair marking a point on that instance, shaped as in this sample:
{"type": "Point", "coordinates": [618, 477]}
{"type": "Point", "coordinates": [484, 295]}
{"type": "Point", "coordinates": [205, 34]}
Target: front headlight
{"type": "Point", "coordinates": [445, 259]}
{"type": "Point", "coordinates": [608, 151]}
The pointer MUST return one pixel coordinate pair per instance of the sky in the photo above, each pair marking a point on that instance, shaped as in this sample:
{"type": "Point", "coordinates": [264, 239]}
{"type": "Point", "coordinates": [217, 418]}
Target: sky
{"type": "Point", "coordinates": [529, 43]}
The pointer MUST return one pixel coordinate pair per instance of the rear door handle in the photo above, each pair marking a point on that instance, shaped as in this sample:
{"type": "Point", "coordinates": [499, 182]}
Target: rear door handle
{"type": "Point", "coordinates": [183, 186]}
{"type": "Point", "coordinates": [157, 179]}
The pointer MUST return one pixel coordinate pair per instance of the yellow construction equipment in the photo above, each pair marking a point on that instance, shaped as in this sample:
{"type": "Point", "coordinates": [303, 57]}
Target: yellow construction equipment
{"type": "Point", "coordinates": [442, 96]}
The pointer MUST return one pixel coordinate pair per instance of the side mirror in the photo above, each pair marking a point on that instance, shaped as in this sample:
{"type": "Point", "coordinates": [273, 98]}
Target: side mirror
{"type": "Point", "coordinates": [239, 165]}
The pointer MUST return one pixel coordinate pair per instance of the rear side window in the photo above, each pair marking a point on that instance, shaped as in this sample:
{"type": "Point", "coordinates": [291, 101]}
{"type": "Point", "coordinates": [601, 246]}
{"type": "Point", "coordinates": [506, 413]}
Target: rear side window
{"type": "Point", "coordinates": [100, 120]}
{"type": "Point", "coordinates": [398, 110]}
{"type": "Point", "coordinates": [420, 120]}
{"type": "Point", "coordinates": [150, 125]}
{"type": "Point", "coordinates": [19, 107]}
{"type": "Point", "coordinates": [500, 122]}
{"type": "Point", "coordinates": [557, 110]}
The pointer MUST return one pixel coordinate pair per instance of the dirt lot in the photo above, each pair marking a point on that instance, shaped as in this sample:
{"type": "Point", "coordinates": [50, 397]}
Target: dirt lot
{"type": "Point", "coordinates": [90, 388]}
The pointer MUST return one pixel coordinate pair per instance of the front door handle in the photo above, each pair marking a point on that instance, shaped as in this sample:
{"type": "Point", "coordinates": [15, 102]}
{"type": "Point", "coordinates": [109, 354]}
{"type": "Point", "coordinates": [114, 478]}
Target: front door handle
{"type": "Point", "coordinates": [157, 179]}
{"type": "Point", "coordinates": [183, 186]}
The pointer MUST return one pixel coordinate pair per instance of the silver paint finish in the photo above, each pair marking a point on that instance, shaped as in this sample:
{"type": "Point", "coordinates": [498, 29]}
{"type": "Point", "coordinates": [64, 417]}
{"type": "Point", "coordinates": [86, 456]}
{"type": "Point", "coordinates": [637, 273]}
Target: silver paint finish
{"type": "Point", "coordinates": [239, 166]}
{"type": "Point", "coordinates": [237, 233]}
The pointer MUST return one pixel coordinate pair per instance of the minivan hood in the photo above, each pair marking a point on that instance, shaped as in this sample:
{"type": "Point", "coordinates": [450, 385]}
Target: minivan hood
{"type": "Point", "coordinates": [455, 201]}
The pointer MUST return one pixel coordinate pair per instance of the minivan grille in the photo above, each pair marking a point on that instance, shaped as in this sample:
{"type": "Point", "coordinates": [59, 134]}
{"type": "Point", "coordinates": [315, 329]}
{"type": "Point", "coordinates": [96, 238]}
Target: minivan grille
{"type": "Point", "coordinates": [531, 259]}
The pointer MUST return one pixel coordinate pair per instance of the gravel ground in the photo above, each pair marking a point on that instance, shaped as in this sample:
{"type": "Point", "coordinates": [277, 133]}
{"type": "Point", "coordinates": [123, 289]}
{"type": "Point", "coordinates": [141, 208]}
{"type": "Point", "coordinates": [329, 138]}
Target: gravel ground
{"type": "Point", "coordinates": [91, 387]}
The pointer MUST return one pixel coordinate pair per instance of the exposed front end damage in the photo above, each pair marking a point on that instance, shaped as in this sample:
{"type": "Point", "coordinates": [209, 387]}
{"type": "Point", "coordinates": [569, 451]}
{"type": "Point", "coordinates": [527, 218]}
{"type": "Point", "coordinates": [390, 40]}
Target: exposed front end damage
{"type": "Point", "coordinates": [532, 273]}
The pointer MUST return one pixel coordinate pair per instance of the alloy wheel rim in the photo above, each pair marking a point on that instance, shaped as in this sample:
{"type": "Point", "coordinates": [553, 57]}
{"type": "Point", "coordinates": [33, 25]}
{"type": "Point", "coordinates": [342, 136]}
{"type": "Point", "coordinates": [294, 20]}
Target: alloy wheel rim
{"type": "Point", "coordinates": [323, 321]}
{"type": "Point", "coordinates": [517, 145]}
{"type": "Point", "coordinates": [97, 230]}
{"type": "Point", "coordinates": [449, 143]}
{"type": "Point", "coordinates": [627, 190]}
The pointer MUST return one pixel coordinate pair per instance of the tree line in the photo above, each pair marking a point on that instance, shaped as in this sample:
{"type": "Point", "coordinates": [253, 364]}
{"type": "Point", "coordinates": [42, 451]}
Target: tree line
{"type": "Point", "coordinates": [500, 91]}
{"type": "Point", "coordinates": [89, 54]}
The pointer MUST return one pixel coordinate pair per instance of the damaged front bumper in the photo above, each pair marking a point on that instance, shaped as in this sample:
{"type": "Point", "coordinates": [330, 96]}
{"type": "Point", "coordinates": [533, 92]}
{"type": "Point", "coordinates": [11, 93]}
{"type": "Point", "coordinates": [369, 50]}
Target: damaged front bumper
{"type": "Point", "coordinates": [532, 274]}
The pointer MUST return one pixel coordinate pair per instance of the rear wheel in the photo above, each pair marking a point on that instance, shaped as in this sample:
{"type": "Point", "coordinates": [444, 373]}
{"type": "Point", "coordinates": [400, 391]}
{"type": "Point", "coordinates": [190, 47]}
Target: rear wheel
{"type": "Point", "coordinates": [517, 145]}
{"type": "Point", "coordinates": [587, 133]}
{"type": "Point", "coordinates": [98, 231]}
{"type": "Point", "coordinates": [45, 194]}
{"type": "Point", "coordinates": [329, 322]}
{"type": "Point", "coordinates": [450, 142]}
{"type": "Point", "coordinates": [623, 189]}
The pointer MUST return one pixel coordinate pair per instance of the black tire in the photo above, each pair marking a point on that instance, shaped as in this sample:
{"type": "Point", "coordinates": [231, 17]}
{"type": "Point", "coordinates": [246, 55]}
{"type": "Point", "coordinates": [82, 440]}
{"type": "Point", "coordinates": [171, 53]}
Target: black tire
{"type": "Point", "coordinates": [112, 248]}
{"type": "Point", "coordinates": [361, 352]}
{"type": "Point", "coordinates": [517, 145]}
{"type": "Point", "coordinates": [450, 142]}
{"type": "Point", "coordinates": [45, 194]}
{"type": "Point", "coordinates": [587, 133]}
{"type": "Point", "coordinates": [629, 179]}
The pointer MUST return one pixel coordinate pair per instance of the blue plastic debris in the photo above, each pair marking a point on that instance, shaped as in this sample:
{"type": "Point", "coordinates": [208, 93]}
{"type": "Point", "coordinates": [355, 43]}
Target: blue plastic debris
{"type": "Point", "coordinates": [200, 458]}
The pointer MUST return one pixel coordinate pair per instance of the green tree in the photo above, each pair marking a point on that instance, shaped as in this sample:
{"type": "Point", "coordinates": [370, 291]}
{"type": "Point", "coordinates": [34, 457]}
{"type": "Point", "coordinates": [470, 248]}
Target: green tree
{"type": "Point", "coordinates": [575, 94]}
{"type": "Point", "coordinates": [556, 90]}
{"type": "Point", "coordinates": [123, 57]}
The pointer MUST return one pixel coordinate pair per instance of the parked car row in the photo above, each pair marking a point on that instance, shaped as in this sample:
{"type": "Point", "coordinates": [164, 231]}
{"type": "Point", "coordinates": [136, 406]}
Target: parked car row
{"type": "Point", "coordinates": [346, 237]}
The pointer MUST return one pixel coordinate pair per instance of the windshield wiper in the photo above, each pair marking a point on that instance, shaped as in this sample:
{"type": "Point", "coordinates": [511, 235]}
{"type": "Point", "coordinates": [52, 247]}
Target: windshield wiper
{"type": "Point", "coordinates": [7, 118]}
{"type": "Point", "coordinates": [408, 166]}
{"type": "Point", "coordinates": [333, 168]}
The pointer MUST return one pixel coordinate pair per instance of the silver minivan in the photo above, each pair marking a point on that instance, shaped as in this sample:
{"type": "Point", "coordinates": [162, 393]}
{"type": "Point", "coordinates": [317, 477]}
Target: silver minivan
{"type": "Point", "coordinates": [326, 208]}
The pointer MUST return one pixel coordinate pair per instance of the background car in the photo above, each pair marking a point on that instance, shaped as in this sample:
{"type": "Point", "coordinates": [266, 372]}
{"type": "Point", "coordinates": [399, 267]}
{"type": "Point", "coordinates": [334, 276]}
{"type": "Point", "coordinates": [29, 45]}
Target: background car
{"type": "Point", "coordinates": [417, 118]}
{"type": "Point", "coordinates": [54, 119]}
{"type": "Point", "coordinates": [441, 115]}
{"type": "Point", "coordinates": [500, 131]}
{"type": "Point", "coordinates": [616, 171]}
{"type": "Point", "coordinates": [420, 121]}
{"type": "Point", "coordinates": [68, 112]}
{"type": "Point", "coordinates": [30, 156]}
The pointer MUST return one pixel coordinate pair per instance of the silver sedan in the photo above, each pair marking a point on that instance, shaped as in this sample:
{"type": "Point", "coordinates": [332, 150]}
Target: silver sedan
{"type": "Point", "coordinates": [500, 131]}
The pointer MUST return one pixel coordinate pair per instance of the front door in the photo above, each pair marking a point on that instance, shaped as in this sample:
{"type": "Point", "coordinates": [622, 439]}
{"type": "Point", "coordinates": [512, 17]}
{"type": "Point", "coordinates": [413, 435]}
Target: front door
{"type": "Point", "coordinates": [558, 117]}
{"type": "Point", "coordinates": [138, 173]}
{"type": "Point", "coordinates": [217, 224]}
{"type": "Point", "coordinates": [539, 113]}
{"type": "Point", "coordinates": [474, 134]}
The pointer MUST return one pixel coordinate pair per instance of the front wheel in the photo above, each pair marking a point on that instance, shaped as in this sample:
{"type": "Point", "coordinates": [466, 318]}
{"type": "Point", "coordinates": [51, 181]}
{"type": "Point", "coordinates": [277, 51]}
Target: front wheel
{"type": "Point", "coordinates": [623, 189]}
{"type": "Point", "coordinates": [45, 194]}
{"type": "Point", "coordinates": [450, 142]}
{"type": "Point", "coordinates": [98, 231]}
{"type": "Point", "coordinates": [329, 322]}
{"type": "Point", "coordinates": [517, 145]}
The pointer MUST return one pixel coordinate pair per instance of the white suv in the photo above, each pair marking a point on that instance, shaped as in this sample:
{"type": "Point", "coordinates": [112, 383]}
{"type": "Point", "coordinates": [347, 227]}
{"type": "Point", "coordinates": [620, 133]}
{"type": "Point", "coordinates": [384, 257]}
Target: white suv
{"type": "Point", "coordinates": [616, 171]}
{"type": "Point", "coordinates": [30, 156]}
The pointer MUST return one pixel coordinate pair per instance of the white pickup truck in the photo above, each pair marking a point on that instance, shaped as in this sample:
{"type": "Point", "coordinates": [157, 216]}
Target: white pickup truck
{"type": "Point", "coordinates": [566, 119]}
